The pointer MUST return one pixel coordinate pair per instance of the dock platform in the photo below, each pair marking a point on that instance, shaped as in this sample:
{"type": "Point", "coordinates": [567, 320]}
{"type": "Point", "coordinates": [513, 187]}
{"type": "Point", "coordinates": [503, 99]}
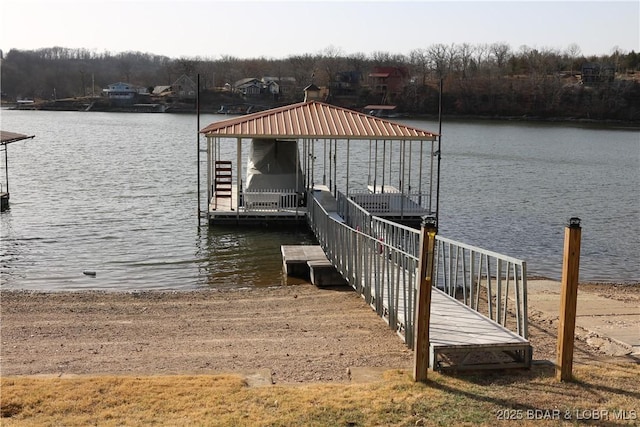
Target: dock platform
{"type": "Point", "coordinates": [227, 211]}
{"type": "Point", "coordinates": [310, 262]}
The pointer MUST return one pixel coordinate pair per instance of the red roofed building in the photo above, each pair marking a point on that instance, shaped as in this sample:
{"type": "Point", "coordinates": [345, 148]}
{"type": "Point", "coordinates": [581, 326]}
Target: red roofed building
{"type": "Point", "coordinates": [387, 82]}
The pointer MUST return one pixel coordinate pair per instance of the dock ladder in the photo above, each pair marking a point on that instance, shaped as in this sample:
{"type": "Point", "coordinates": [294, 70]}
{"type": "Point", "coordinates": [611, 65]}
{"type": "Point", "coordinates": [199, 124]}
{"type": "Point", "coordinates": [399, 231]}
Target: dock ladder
{"type": "Point", "coordinates": [222, 183]}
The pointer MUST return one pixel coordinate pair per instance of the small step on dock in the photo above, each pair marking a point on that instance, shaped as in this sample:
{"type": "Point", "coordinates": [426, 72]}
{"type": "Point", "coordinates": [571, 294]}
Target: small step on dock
{"type": "Point", "coordinates": [310, 262]}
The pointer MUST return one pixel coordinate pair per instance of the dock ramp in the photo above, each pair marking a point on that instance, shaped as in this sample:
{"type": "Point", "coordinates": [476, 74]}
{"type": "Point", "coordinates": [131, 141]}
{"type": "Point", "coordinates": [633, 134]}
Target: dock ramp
{"type": "Point", "coordinates": [385, 273]}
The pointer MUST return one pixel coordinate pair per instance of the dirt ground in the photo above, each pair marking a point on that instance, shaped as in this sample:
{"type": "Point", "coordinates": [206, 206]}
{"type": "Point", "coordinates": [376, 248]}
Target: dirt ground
{"type": "Point", "coordinates": [299, 333]}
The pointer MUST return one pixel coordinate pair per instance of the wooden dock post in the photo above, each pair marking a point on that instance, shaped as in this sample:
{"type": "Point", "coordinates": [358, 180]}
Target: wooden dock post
{"type": "Point", "coordinates": [568, 300]}
{"type": "Point", "coordinates": [423, 299]}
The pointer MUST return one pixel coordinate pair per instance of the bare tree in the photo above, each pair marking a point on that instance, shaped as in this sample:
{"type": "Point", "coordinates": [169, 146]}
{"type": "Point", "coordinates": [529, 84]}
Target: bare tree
{"type": "Point", "coordinates": [228, 66]}
{"type": "Point", "coordinates": [381, 58]}
{"type": "Point", "coordinates": [500, 53]}
{"type": "Point", "coordinates": [331, 60]}
{"type": "Point", "coordinates": [186, 66]}
{"type": "Point", "coordinates": [125, 66]}
{"type": "Point", "coordinates": [573, 52]}
{"type": "Point", "coordinates": [419, 61]}
{"type": "Point", "coordinates": [465, 55]}
{"type": "Point", "coordinates": [439, 59]}
{"type": "Point", "coordinates": [482, 54]}
{"type": "Point", "coordinates": [303, 68]}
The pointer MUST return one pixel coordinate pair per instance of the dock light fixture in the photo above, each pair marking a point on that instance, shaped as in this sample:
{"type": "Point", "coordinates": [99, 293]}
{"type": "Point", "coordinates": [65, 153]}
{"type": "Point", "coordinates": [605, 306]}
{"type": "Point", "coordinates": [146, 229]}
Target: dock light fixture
{"type": "Point", "coordinates": [574, 222]}
{"type": "Point", "coordinates": [429, 221]}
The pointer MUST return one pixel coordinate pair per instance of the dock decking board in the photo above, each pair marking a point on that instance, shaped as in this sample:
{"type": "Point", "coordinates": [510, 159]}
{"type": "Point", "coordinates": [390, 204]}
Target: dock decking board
{"type": "Point", "coordinates": [456, 329]}
{"type": "Point", "coordinates": [459, 332]}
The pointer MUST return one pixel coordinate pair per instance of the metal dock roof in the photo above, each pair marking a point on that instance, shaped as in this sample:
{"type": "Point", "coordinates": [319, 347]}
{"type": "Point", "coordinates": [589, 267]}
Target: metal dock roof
{"type": "Point", "coordinates": [314, 119]}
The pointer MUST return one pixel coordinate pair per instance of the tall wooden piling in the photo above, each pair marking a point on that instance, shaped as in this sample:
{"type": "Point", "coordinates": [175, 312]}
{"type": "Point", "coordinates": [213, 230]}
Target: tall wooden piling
{"type": "Point", "coordinates": [568, 300]}
{"type": "Point", "coordinates": [423, 299]}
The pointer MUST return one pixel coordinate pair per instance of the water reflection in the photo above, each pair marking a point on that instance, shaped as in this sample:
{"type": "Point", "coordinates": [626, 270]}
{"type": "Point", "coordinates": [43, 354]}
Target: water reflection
{"type": "Point", "coordinates": [239, 257]}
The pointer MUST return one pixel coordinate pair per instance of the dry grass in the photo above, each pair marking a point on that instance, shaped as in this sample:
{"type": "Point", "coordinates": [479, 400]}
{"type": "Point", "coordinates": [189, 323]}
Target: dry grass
{"type": "Point", "coordinates": [225, 400]}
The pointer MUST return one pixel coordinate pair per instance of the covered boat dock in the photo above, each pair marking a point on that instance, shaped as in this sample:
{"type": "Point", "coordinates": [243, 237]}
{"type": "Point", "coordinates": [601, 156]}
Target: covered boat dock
{"type": "Point", "coordinates": [262, 167]}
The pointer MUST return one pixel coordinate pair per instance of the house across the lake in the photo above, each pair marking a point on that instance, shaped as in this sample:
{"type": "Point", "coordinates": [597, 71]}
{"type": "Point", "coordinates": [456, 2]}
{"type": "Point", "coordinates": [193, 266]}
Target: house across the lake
{"type": "Point", "coordinates": [123, 93]}
{"type": "Point", "coordinates": [184, 88]}
{"type": "Point", "coordinates": [388, 82]}
{"type": "Point", "coordinates": [593, 72]}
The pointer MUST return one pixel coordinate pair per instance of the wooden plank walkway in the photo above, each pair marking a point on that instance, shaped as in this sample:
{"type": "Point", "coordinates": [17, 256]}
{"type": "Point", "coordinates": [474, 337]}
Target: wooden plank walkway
{"type": "Point", "coordinates": [461, 338]}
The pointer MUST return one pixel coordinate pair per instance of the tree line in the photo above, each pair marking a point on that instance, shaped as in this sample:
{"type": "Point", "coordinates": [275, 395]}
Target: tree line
{"type": "Point", "coordinates": [479, 79]}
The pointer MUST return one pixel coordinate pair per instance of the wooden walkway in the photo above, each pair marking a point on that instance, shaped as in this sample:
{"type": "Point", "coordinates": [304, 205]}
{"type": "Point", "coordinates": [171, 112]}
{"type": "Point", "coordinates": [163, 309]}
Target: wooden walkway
{"type": "Point", "coordinates": [461, 338]}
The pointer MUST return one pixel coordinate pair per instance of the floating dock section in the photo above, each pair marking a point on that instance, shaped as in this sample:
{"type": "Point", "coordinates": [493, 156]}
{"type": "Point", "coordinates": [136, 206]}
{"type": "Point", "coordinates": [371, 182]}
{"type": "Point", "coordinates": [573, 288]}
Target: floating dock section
{"type": "Point", "coordinates": [310, 263]}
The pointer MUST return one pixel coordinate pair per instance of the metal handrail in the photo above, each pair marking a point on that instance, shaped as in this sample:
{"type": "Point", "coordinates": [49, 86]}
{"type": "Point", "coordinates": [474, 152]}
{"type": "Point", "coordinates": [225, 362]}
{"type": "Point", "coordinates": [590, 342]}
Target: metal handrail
{"type": "Point", "coordinates": [380, 203]}
{"type": "Point", "coordinates": [385, 276]}
{"type": "Point", "coordinates": [466, 269]}
{"type": "Point", "coordinates": [269, 200]}
{"type": "Point", "coordinates": [380, 261]}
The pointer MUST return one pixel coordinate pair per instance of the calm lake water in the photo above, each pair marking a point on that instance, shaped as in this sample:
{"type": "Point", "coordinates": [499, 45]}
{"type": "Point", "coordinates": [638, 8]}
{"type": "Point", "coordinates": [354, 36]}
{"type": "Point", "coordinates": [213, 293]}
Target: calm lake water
{"type": "Point", "coordinates": [116, 194]}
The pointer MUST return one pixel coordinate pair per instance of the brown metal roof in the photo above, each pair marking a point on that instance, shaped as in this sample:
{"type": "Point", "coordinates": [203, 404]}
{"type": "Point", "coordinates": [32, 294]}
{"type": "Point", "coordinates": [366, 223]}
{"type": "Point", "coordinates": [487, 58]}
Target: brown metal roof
{"type": "Point", "coordinates": [314, 119]}
{"type": "Point", "coordinates": [8, 137]}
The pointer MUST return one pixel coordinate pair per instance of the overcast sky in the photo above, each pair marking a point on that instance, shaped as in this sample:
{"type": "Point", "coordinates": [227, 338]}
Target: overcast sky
{"type": "Point", "coordinates": [251, 29]}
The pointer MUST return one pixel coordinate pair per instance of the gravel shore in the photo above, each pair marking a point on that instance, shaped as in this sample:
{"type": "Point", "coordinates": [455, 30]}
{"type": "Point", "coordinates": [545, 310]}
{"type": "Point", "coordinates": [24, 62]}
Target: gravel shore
{"type": "Point", "coordinates": [299, 333]}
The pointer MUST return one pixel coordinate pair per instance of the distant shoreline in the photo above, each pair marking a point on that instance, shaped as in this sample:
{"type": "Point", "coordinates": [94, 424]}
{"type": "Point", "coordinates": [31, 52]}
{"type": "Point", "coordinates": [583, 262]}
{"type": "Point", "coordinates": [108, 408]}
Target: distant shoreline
{"type": "Point", "coordinates": [182, 109]}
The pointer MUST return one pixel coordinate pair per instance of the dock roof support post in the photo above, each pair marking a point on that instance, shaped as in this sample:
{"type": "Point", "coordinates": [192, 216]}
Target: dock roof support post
{"type": "Point", "coordinates": [330, 165]}
{"type": "Point", "coordinates": [306, 148]}
{"type": "Point", "coordinates": [423, 299]}
{"type": "Point", "coordinates": [198, 148]}
{"type": "Point", "coordinates": [6, 166]}
{"type": "Point", "coordinates": [431, 177]}
{"type": "Point", "coordinates": [347, 189]}
{"type": "Point", "coordinates": [420, 173]}
{"type": "Point", "coordinates": [298, 172]}
{"type": "Point", "coordinates": [313, 163]}
{"type": "Point", "coordinates": [238, 178]}
{"type": "Point", "coordinates": [384, 156]}
{"type": "Point", "coordinates": [375, 168]}
{"type": "Point", "coordinates": [335, 166]}
{"type": "Point", "coordinates": [210, 163]}
{"type": "Point", "coordinates": [403, 161]}
{"type": "Point", "coordinates": [324, 162]}
{"type": "Point", "coordinates": [369, 169]}
{"type": "Point", "coordinates": [390, 163]}
{"type": "Point", "coordinates": [409, 171]}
